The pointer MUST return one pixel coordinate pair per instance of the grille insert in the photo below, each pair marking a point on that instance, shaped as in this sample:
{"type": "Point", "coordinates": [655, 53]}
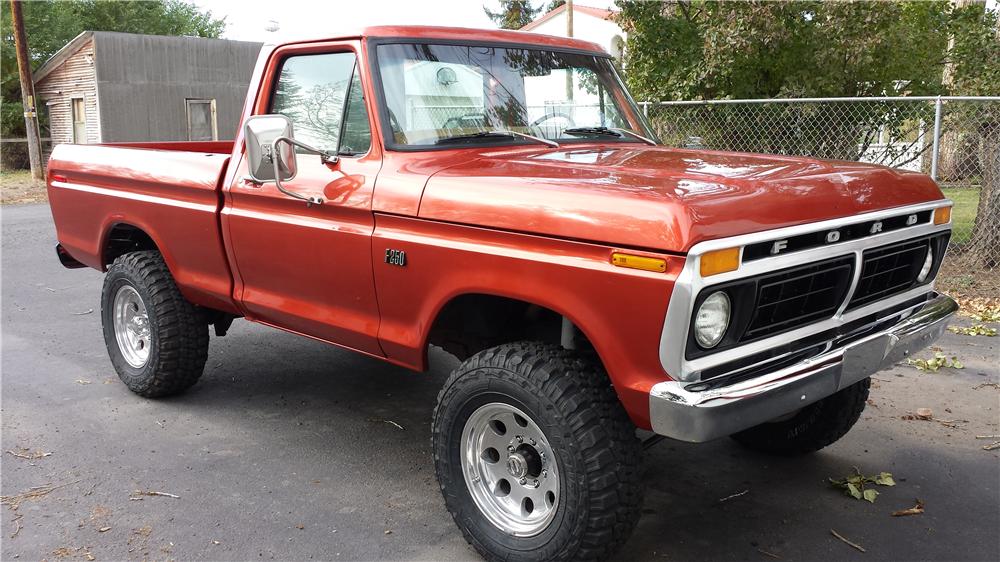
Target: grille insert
{"type": "Point", "coordinates": [799, 296]}
{"type": "Point", "coordinates": [888, 271]}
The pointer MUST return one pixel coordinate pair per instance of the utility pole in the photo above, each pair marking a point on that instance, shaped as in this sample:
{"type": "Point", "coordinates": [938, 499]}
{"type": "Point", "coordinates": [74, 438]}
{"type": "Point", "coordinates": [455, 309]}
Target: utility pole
{"type": "Point", "coordinates": [27, 91]}
{"type": "Point", "coordinates": [569, 33]}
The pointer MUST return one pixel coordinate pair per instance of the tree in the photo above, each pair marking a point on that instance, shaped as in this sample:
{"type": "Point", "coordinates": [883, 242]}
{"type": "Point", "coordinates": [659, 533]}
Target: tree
{"type": "Point", "coordinates": [51, 24]}
{"type": "Point", "coordinates": [695, 49]}
{"type": "Point", "coordinates": [974, 64]}
{"type": "Point", "coordinates": [513, 14]}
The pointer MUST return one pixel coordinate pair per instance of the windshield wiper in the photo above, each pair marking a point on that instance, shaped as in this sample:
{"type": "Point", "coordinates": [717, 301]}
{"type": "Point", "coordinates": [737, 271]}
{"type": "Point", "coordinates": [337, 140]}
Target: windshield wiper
{"type": "Point", "coordinates": [607, 132]}
{"type": "Point", "coordinates": [494, 135]}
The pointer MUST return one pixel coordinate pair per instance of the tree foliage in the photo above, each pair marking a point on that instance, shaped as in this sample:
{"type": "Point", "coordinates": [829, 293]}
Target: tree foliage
{"type": "Point", "coordinates": [49, 25]}
{"type": "Point", "coordinates": [513, 14]}
{"type": "Point", "coordinates": [695, 49]}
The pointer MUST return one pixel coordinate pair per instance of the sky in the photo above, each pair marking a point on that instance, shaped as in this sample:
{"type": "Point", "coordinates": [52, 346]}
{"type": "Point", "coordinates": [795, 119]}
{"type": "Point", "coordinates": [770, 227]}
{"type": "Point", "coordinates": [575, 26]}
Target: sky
{"type": "Point", "coordinates": [248, 19]}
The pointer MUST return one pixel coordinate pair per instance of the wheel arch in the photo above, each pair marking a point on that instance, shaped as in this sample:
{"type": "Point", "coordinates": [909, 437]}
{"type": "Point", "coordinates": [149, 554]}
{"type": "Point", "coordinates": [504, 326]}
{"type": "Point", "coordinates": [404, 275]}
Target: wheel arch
{"type": "Point", "coordinates": [472, 317]}
{"type": "Point", "coordinates": [121, 235]}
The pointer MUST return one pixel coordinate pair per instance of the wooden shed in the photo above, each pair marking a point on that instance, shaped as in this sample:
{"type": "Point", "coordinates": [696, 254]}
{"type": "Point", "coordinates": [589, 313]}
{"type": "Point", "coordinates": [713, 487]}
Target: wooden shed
{"type": "Point", "coordinates": [123, 87]}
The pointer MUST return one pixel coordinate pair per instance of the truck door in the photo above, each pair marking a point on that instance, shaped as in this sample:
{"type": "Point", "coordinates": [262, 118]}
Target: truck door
{"type": "Point", "coordinates": [303, 268]}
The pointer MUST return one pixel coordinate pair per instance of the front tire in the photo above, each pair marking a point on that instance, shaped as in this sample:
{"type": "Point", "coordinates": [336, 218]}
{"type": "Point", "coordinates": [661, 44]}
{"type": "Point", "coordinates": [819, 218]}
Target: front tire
{"type": "Point", "coordinates": [156, 339]}
{"type": "Point", "coordinates": [535, 456]}
{"type": "Point", "coordinates": [813, 427]}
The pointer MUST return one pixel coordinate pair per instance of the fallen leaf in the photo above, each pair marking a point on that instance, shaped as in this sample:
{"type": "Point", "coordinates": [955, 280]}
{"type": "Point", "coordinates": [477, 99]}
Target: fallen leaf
{"type": "Point", "coordinates": [974, 330]}
{"type": "Point", "coordinates": [300, 526]}
{"type": "Point", "coordinates": [885, 479]}
{"type": "Point", "coordinates": [915, 510]}
{"type": "Point", "coordinates": [936, 363]}
{"type": "Point", "coordinates": [854, 485]}
{"type": "Point", "coordinates": [925, 413]}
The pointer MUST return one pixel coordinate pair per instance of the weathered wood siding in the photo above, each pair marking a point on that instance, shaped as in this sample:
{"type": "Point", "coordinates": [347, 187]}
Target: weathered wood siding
{"type": "Point", "coordinates": [144, 81]}
{"type": "Point", "coordinates": [75, 78]}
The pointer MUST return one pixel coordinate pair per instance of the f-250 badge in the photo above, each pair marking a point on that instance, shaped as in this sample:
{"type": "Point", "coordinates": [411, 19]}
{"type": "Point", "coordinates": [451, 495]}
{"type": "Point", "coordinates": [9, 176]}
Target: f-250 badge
{"type": "Point", "coordinates": [395, 257]}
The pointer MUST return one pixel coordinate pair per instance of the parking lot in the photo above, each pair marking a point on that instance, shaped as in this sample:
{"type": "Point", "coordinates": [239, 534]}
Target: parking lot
{"type": "Point", "coordinates": [289, 449]}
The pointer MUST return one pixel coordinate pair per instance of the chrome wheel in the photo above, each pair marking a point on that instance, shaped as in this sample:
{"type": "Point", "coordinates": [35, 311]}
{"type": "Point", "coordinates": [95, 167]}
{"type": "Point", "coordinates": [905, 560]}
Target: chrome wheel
{"type": "Point", "coordinates": [131, 323]}
{"type": "Point", "coordinates": [510, 469]}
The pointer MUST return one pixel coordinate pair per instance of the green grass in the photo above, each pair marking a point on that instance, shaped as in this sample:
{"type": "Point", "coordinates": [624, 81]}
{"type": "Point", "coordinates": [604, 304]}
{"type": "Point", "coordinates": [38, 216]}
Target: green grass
{"type": "Point", "coordinates": [963, 216]}
{"type": "Point", "coordinates": [15, 175]}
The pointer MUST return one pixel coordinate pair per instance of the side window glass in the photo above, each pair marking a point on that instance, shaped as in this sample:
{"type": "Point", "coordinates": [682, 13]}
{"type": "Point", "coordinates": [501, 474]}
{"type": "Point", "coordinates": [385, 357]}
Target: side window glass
{"type": "Point", "coordinates": [311, 91]}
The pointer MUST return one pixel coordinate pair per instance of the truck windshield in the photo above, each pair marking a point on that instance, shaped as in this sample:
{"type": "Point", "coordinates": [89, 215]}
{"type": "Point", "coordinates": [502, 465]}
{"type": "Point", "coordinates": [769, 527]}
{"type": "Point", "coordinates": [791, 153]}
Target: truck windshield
{"type": "Point", "coordinates": [449, 95]}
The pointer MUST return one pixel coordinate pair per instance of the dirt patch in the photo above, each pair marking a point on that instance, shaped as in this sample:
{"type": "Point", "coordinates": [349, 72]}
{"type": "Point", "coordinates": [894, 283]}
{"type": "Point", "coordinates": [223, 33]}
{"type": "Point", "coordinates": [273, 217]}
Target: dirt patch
{"type": "Point", "coordinates": [17, 186]}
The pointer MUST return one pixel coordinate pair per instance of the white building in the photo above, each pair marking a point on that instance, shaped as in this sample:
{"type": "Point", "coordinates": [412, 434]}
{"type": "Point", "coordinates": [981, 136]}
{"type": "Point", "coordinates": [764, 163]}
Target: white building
{"type": "Point", "coordinates": [590, 24]}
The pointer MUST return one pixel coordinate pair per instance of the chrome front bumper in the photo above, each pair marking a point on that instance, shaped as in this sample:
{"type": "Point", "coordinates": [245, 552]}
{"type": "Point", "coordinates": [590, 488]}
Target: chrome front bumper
{"type": "Point", "coordinates": [698, 416]}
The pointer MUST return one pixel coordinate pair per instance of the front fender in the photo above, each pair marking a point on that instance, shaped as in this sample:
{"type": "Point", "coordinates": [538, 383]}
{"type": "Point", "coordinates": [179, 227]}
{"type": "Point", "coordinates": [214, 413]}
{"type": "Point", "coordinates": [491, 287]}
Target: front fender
{"type": "Point", "coordinates": [620, 310]}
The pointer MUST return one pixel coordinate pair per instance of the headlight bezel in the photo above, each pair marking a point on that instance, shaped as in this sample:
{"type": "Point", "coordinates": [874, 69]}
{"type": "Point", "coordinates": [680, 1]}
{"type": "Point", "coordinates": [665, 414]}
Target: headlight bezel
{"type": "Point", "coordinates": [716, 299]}
{"type": "Point", "coordinates": [928, 266]}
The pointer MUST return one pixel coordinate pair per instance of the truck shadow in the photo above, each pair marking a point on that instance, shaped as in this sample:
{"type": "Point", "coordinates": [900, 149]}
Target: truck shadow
{"type": "Point", "coordinates": [323, 400]}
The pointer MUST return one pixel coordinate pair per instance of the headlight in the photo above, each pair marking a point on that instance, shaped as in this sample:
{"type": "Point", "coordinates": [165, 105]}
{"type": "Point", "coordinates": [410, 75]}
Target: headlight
{"type": "Point", "coordinates": [712, 319]}
{"type": "Point", "coordinates": [928, 265]}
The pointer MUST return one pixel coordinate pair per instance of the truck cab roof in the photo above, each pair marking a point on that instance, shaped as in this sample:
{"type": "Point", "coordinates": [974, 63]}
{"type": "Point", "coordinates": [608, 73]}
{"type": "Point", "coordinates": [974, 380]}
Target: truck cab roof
{"type": "Point", "coordinates": [460, 34]}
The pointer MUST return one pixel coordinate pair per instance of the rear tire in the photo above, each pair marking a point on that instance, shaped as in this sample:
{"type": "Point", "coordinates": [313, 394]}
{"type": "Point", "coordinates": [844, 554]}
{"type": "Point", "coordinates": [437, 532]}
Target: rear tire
{"type": "Point", "coordinates": [813, 427]}
{"type": "Point", "coordinates": [570, 433]}
{"type": "Point", "coordinates": [156, 339]}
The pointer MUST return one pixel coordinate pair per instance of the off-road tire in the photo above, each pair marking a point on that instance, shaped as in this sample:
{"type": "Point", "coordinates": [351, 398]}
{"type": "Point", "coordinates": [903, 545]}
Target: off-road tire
{"type": "Point", "coordinates": [179, 332]}
{"type": "Point", "coordinates": [812, 428]}
{"type": "Point", "coordinates": [572, 401]}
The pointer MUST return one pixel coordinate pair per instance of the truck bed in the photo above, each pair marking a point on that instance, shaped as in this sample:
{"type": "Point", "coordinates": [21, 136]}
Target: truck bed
{"type": "Point", "coordinates": [171, 191]}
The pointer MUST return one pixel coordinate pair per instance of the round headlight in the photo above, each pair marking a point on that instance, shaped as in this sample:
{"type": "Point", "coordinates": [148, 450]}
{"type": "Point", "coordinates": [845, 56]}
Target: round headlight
{"type": "Point", "coordinates": [712, 319]}
{"type": "Point", "coordinates": [928, 265]}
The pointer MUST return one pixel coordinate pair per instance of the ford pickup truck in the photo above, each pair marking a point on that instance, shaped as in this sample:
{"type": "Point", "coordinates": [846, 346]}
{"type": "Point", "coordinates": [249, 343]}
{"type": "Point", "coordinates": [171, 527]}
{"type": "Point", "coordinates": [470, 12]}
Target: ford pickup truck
{"type": "Point", "coordinates": [499, 195]}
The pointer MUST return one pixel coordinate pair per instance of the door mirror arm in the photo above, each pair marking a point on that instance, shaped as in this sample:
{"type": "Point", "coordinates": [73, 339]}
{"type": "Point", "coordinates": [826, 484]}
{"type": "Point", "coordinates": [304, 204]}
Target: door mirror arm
{"type": "Point", "coordinates": [275, 157]}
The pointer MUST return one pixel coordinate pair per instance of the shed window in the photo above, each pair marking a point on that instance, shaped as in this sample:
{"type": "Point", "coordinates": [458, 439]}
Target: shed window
{"type": "Point", "coordinates": [201, 118]}
{"type": "Point", "coordinates": [79, 110]}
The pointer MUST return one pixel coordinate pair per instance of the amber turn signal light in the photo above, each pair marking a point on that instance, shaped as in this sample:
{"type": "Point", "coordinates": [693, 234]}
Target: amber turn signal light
{"type": "Point", "coordinates": [644, 263]}
{"type": "Point", "coordinates": [942, 215]}
{"type": "Point", "coordinates": [720, 261]}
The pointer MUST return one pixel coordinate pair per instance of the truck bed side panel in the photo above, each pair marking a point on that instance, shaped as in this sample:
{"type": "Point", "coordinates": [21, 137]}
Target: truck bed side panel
{"type": "Point", "coordinates": [172, 195]}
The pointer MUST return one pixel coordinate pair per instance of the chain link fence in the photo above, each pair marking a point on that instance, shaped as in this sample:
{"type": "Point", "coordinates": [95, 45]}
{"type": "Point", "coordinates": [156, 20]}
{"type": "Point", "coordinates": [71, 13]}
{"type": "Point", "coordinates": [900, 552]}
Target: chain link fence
{"type": "Point", "coordinates": [956, 140]}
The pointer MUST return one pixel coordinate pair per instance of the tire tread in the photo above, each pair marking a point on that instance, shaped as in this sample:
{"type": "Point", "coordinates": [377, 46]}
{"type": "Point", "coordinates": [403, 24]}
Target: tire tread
{"type": "Point", "coordinates": [596, 421]}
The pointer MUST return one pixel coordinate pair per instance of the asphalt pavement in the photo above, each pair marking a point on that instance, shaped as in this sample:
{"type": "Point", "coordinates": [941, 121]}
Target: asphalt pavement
{"type": "Point", "coordinates": [289, 449]}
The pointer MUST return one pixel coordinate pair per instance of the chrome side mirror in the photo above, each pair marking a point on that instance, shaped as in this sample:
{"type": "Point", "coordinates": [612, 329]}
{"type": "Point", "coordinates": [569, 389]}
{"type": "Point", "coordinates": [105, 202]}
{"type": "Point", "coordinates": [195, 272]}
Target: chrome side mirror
{"type": "Point", "coordinates": [271, 152]}
{"type": "Point", "coordinates": [260, 132]}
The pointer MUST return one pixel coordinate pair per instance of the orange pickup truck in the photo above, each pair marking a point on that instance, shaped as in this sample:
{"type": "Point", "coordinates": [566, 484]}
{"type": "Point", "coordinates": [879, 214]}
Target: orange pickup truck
{"type": "Point", "coordinates": [499, 194]}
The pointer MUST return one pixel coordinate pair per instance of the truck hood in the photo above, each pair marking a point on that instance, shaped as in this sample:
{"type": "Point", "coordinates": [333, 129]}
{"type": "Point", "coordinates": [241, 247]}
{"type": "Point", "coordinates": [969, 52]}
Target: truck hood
{"type": "Point", "coordinates": [659, 198]}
